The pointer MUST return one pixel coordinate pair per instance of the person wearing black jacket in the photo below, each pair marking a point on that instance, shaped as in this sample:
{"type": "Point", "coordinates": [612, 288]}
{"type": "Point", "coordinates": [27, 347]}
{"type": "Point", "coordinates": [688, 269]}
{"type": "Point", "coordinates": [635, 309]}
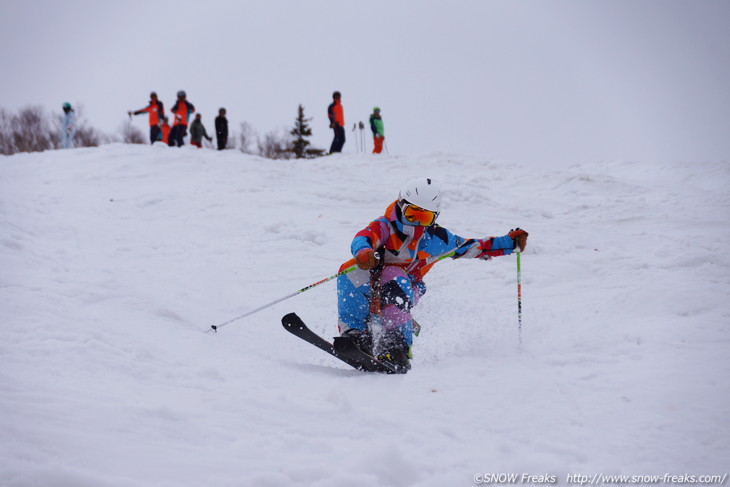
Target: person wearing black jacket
{"type": "Point", "coordinates": [221, 129]}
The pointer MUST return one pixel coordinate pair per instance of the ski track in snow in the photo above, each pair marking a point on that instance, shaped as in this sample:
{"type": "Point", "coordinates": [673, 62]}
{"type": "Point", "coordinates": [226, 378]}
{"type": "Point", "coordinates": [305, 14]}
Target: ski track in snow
{"type": "Point", "coordinates": [116, 259]}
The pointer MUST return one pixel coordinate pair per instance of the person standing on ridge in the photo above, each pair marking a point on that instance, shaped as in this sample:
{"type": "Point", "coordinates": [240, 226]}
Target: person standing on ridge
{"type": "Point", "coordinates": [181, 111]}
{"type": "Point", "coordinates": [221, 129]}
{"type": "Point", "coordinates": [197, 132]}
{"type": "Point", "coordinates": [157, 112]}
{"type": "Point", "coordinates": [376, 125]}
{"type": "Point", "coordinates": [337, 122]}
{"type": "Point", "coordinates": [68, 126]}
{"type": "Point", "coordinates": [393, 254]}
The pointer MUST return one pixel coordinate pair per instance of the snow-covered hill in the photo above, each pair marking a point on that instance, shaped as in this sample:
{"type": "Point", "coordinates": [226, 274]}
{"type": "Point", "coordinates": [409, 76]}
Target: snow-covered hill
{"type": "Point", "coordinates": [115, 260]}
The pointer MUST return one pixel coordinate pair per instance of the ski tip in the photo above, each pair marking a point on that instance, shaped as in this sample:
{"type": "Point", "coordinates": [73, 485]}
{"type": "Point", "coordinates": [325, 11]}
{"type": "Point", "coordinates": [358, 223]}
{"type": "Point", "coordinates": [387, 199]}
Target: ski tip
{"type": "Point", "coordinates": [291, 319]}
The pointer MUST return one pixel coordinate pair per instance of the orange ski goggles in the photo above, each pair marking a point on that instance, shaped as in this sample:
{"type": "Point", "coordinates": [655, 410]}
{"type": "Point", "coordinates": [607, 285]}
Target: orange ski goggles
{"type": "Point", "coordinates": [416, 214]}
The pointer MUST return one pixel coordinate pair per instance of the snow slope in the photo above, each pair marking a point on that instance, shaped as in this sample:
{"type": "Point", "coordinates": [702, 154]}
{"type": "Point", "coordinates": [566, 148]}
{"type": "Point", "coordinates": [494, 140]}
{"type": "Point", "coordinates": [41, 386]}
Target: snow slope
{"type": "Point", "coordinates": [116, 259]}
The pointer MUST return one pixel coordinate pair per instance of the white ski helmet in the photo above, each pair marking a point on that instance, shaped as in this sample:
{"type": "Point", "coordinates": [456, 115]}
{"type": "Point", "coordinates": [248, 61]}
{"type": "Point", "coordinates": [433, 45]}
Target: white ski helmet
{"type": "Point", "coordinates": [421, 192]}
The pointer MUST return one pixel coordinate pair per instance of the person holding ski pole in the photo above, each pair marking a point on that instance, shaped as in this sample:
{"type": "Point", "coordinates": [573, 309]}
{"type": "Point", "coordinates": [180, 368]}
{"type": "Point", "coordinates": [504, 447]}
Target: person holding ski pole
{"type": "Point", "coordinates": [376, 125]}
{"type": "Point", "coordinates": [337, 122]}
{"type": "Point", "coordinates": [157, 113]}
{"type": "Point", "coordinates": [393, 254]}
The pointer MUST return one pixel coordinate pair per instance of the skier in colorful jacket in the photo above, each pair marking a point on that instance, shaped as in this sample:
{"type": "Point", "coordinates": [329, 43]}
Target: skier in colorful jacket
{"type": "Point", "coordinates": [336, 115]}
{"type": "Point", "coordinates": [181, 111]}
{"type": "Point", "coordinates": [157, 113]}
{"type": "Point", "coordinates": [393, 254]}
{"type": "Point", "coordinates": [376, 125]}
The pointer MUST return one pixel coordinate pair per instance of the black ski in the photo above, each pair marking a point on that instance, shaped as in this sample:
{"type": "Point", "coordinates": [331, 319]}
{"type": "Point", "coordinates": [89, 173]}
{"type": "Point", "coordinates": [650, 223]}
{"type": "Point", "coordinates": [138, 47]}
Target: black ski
{"type": "Point", "coordinates": [343, 347]}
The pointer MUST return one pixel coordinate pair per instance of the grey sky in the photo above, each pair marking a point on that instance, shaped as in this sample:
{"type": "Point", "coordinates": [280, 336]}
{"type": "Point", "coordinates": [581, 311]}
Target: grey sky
{"type": "Point", "coordinates": [558, 81]}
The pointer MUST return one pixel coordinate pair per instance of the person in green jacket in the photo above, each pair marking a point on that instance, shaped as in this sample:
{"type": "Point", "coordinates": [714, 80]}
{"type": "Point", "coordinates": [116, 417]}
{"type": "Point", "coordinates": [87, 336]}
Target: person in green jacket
{"type": "Point", "coordinates": [197, 132]}
{"type": "Point", "coordinates": [376, 125]}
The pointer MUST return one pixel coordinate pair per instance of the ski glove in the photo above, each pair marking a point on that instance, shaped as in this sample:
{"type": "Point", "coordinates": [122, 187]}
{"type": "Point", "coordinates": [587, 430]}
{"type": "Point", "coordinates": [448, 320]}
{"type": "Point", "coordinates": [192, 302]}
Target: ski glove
{"type": "Point", "coordinates": [520, 238]}
{"type": "Point", "coordinates": [367, 259]}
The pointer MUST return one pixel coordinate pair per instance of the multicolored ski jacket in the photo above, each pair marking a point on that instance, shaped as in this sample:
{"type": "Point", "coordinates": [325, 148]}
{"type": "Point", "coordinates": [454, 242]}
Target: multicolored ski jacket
{"type": "Point", "coordinates": [376, 125]}
{"type": "Point", "coordinates": [414, 247]}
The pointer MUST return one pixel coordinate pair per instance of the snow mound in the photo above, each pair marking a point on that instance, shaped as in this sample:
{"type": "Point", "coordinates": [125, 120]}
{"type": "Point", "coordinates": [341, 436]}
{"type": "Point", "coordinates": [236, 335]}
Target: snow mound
{"type": "Point", "coordinates": [115, 260]}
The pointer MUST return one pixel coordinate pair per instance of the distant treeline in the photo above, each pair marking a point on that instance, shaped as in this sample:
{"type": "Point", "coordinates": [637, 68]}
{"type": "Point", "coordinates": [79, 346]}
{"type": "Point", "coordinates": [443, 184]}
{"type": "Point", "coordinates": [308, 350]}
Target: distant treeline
{"type": "Point", "coordinates": [32, 129]}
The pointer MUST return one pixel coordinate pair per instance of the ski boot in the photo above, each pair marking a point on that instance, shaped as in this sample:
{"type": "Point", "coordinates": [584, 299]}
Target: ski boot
{"type": "Point", "coordinates": [361, 338]}
{"type": "Point", "coordinates": [396, 351]}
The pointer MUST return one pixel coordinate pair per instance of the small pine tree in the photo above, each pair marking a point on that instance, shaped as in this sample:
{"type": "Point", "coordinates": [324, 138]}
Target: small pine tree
{"type": "Point", "coordinates": [301, 132]}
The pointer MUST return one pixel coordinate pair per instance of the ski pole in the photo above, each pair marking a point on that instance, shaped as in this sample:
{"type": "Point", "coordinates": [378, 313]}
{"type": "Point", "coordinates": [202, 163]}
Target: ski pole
{"type": "Point", "coordinates": [306, 288]}
{"type": "Point", "coordinates": [362, 137]}
{"type": "Point", "coordinates": [519, 297]}
{"type": "Point", "coordinates": [386, 146]}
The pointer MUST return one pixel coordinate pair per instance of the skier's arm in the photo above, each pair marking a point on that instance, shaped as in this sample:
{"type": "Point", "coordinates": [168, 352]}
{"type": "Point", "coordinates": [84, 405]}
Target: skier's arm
{"type": "Point", "coordinates": [142, 110]}
{"type": "Point", "coordinates": [474, 248]}
{"type": "Point", "coordinates": [493, 246]}
{"type": "Point", "coordinates": [371, 237]}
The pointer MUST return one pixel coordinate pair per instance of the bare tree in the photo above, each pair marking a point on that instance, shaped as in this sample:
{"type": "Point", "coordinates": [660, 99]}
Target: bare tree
{"type": "Point", "coordinates": [7, 145]}
{"type": "Point", "coordinates": [131, 134]}
{"type": "Point", "coordinates": [247, 139]}
{"type": "Point", "coordinates": [276, 145]}
{"type": "Point", "coordinates": [31, 130]}
{"type": "Point", "coordinates": [86, 135]}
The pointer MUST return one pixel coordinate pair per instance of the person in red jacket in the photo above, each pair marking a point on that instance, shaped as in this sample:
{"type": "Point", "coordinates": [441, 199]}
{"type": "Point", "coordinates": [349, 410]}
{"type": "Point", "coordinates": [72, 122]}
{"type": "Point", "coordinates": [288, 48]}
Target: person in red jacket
{"type": "Point", "coordinates": [181, 111]}
{"type": "Point", "coordinates": [157, 112]}
{"type": "Point", "coordinates": [337, 122]}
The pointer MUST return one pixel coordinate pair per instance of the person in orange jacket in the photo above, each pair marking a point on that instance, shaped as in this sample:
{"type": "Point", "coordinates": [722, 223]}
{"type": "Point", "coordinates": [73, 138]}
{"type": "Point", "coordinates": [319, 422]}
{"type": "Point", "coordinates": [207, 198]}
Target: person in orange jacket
{"type": "Point", "coordinates": [181, 111]}
{"type": "Point", "coordinates": [156, 111]}
{"type": "Point", "coordinates": [165, 128]}
{"type": "Point", "coordinates": [337, 122]}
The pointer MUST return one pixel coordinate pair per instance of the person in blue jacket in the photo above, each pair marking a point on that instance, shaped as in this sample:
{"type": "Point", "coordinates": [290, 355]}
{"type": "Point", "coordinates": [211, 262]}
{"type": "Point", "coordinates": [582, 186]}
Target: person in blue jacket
{"type": "Point", "coordinates": [68, 126]}
{"type": "Point", "coordinates": [393, 254]}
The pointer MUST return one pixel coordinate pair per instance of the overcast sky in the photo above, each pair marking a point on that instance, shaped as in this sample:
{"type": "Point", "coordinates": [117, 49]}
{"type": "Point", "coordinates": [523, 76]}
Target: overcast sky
{"type": "Point", "coordinates": [543, 82]}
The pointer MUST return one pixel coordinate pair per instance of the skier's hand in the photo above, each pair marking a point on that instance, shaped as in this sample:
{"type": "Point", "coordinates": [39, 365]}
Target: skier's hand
{"type": "Point", "coordinates": [367, 259]}
{"type": "Point", "coordinates": [520, 238]}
